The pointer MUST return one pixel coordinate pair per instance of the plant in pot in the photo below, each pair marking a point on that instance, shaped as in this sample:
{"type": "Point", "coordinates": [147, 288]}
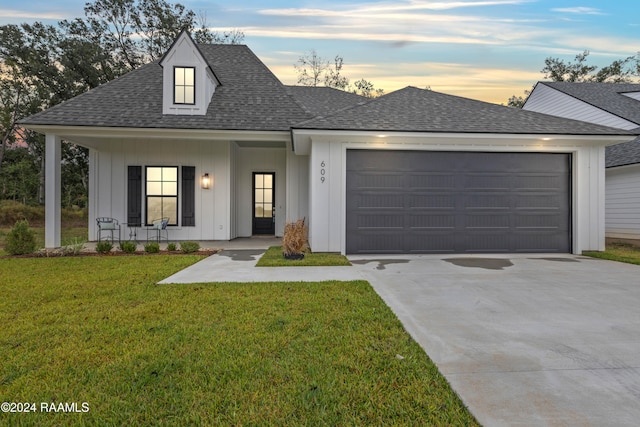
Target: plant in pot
{"type": "Point", "coordinates": [294, 241]}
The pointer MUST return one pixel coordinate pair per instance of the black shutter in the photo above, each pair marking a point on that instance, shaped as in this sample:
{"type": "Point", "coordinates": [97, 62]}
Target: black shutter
{"type": "Point", "coordinates": [134, 195]}
{"type": "Point", "coordinates": [188, 196]}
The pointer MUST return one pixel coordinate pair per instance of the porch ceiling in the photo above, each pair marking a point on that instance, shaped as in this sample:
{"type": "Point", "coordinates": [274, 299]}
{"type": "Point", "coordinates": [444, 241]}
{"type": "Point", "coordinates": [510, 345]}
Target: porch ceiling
{"type": "Point", "coordinates": [97, 137]}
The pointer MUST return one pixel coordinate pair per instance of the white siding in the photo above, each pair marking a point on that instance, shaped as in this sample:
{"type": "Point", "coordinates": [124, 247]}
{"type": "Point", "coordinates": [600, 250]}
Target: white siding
{"type": "Point", "coordinates": [109, 182]}
{"type": "Point", "coordinates": [623, 202]}
{"type": "Point", "coordinates": [634, 95]}
{"type": "Point", "coordinates": [547, 100]}
{"type": "Point", "coordinates": [297, 187]}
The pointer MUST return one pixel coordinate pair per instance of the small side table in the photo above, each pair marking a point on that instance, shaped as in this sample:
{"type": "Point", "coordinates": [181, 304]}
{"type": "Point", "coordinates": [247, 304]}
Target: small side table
{"type": "Point", "coordinates": [133, 230]}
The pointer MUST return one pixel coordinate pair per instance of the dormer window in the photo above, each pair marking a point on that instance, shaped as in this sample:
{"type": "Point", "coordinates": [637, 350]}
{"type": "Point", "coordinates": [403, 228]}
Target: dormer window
{"type": "Point", "coordinates": [184, 85]}
{"type": "Point", "coordinates": [183, 68]}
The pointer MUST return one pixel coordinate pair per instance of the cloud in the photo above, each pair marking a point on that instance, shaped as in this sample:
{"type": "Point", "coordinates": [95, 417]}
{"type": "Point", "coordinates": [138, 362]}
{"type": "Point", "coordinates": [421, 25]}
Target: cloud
{"type": "Point", "coordinates": [580, 10]}
{"type": "Point", "coordinates": [23, 14]}
{"type": "Point", "coordinates": [385, 8]}
{"type": "Point", "coordinates": [399, 24]}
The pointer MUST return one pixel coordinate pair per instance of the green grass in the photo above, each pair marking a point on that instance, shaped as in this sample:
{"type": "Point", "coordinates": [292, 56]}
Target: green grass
{"type": "Point", "coordinates": [99, 330]}
{"type": "Point", "coordinates": [273, 258]}
{"type": "Point", "coordinates": [622, 252]}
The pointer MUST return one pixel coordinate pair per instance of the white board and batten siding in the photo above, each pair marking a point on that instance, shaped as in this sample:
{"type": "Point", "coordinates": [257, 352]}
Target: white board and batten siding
{"type": "Point", "coordinates": [547, 100]}
{"type": "Point", "coordinates": [108, 183]}
{"type": "Point", "coordinates": [622, 215]}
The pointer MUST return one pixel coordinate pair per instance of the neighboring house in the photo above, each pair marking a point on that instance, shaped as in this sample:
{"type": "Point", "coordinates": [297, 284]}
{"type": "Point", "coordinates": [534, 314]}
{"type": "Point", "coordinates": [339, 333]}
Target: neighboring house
{"type": "Point", "coordinates": [610, 104]}
{"type": "Point", "coordinates": [413, 171]}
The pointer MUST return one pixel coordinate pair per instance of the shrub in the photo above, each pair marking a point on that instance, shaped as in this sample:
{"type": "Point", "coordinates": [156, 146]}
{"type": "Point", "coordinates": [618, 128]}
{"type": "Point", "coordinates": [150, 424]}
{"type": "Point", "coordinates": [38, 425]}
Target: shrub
{"type": "Point", "coordinates": [294, 241]}
{"type": "Point", "coordinates": [128, 246]}
{"type": "Point", "coordinates": [20, 239]}
{"type": "Point", "coordinates": [104, 246]}
{"type": "Point", "coordinates": [74, 248]}
{"type": "Point", "coordinates": [171, 247]}
{"type": "Point", "coordinates": [152, 247]}
{"type": "Point", "coordinates": [189, 247]}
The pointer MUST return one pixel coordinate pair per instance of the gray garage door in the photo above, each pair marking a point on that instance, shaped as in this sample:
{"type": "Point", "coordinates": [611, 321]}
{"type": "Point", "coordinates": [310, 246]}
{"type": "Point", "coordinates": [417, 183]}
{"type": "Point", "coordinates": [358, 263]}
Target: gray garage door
{"type": "Point", "coordinates": [457, 202]}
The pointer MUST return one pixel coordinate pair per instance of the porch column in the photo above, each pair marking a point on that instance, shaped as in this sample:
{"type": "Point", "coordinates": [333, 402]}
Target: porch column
{"type": "Point", "coordinates": [53, 189]}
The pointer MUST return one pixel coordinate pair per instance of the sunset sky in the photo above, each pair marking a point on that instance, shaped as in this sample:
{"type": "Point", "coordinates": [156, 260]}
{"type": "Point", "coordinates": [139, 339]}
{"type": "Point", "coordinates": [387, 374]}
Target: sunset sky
{"type": "Point", "coordinates": [487, 50]}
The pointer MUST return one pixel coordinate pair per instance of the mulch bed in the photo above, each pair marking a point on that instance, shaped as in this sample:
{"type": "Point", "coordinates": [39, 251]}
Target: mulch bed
{"type": "Point", "coordinates": [59, 254]}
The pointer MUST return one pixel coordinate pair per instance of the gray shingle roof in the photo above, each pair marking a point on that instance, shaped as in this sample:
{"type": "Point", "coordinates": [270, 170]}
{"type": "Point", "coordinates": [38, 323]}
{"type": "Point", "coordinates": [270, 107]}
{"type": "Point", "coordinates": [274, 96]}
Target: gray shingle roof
{"type": "Point", "coordinates": [417, 110]}
{"type": "Point", "coordinates": [606, 96]}
{"type": "Point", "coordinates": [626, 153]}
{"type": "Point", "coordinates": [250, 98]}
{"type": "Point", "coordinates": [321, 101]}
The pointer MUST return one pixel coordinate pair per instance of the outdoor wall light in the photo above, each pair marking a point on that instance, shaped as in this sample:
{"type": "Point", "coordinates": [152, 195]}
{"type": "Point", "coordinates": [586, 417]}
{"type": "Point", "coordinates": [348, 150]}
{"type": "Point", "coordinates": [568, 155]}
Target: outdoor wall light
{"type": "Point", "coordinates": [205, 182]}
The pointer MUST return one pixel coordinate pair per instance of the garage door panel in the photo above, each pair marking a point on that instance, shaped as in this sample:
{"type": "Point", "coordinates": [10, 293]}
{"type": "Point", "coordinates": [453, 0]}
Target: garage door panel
{"type": "Point", "coordinates": [474, 241]}
{"type": "Point", "coordinates": [541, 202]}
{"type": "Point", "coordinates": [380, 221]}
{"type": "Point", "coordinates": [483, 182]}
{"type": "Point", "coordinates": [457, 202]}
{"type": "Point", "coordinates": [537, 182]}
{"type": "Point", "coordinates": [430, 201]}
{"type": "Point", "coordinates": [429, 242]}
{"type": "Point", "coordinates": [371, 242]}
{"type": "Point", "coordinates": [430, 181]}
{"type": "Point", "coordinates": [539, 221]}
{"type": "Point", "coordinates": [375, 180]}
{"type": "Point", "coordinates": [488, 201]}
{"type": "Point", "coordinates": [484, 221]}
{"type": "Point", "coordinates": [536, 241]}
{"type": "Point", "coordinates": [378, 200]}
{"type": "Point", "coordinates": [429, 221]}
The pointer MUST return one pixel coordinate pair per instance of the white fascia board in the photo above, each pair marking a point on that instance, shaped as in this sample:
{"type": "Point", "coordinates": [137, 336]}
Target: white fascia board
{"type": "Point", "coordinates": [72, 132]}
{"type": "Point", "coordinates": [378, 139]}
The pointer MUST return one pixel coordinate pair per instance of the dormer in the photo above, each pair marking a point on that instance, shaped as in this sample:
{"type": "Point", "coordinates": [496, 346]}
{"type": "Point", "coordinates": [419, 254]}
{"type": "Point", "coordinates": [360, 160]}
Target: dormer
{"type": "Point", "coordinates": [188, 82]}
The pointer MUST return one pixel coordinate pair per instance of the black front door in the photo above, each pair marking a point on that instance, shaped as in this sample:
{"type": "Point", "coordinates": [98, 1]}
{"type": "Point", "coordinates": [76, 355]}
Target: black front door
{"type": "Point", "coordinates": [264, 221]}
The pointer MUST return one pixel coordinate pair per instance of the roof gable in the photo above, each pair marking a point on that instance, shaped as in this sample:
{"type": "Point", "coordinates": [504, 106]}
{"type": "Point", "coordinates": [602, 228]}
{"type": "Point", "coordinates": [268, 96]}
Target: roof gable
{"type": "Point", "coordinates": [609, 97]}
{"type": "Point", "coordinates": [184, 57]}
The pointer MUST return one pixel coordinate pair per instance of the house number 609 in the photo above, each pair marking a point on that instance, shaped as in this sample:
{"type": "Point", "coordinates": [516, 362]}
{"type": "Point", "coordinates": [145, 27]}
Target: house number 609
{"type": "Point", "coordinates": [322, 171]}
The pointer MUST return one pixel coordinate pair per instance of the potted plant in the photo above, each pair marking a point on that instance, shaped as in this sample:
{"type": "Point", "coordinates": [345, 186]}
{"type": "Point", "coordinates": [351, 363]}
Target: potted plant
{"type": "Point", "coordinates": [294, 241]}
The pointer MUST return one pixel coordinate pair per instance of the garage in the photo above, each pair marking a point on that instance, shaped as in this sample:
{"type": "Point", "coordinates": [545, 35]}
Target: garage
{"type": "Point", "coordinates": [457, 202]}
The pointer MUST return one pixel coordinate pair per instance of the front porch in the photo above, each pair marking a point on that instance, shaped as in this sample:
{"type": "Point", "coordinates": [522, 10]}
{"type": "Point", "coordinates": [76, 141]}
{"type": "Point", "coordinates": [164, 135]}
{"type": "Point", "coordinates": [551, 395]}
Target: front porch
{"type": "Point", "coordinates": [221, 211]}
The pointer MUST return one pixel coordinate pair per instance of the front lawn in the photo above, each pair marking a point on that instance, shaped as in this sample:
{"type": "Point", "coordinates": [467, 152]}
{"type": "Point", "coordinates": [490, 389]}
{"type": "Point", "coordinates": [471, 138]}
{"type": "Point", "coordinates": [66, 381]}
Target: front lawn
{"type": "Point", "coordinates": [99, 330]}
{"type": "Point", "coordinates": [622, 252]}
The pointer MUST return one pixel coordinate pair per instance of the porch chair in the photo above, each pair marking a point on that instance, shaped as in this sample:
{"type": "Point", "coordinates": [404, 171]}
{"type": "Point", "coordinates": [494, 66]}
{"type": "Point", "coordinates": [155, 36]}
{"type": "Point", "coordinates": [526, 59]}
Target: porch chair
{"type": "Point", "coordinates": [159, 228]}
{"type": "Point", "coordinates": [108, 225]}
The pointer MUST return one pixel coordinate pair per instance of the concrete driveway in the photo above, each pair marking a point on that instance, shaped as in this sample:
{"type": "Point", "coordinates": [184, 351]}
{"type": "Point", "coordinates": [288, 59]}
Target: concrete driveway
{"type": "Point", "coordinates": [524, 339]}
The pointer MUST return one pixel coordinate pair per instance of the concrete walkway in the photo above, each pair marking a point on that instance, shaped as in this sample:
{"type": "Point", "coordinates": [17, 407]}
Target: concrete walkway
{"type": "Point", "coordinates": [525, 340]}
{"type": "Point", "coordinates": [239, 265]}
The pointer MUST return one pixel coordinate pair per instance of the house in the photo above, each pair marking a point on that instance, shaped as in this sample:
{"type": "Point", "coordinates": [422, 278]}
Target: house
{"type": "Point", "coordinates": [209, 138]}
{"type": "Point", "coordinates": [610, 104]}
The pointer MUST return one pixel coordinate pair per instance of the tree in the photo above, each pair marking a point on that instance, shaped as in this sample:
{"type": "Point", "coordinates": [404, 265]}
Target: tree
{"type": "Point", "coordinates": [624, 70]}
{"type": "Point", "coordinates": [332, 76]}
{"type": "Point", "coordinates": [43, 65]}
{"type": "Point", "coordinates": [314, 70]}
{"type": "Point", "coordinates": [310, 68]}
